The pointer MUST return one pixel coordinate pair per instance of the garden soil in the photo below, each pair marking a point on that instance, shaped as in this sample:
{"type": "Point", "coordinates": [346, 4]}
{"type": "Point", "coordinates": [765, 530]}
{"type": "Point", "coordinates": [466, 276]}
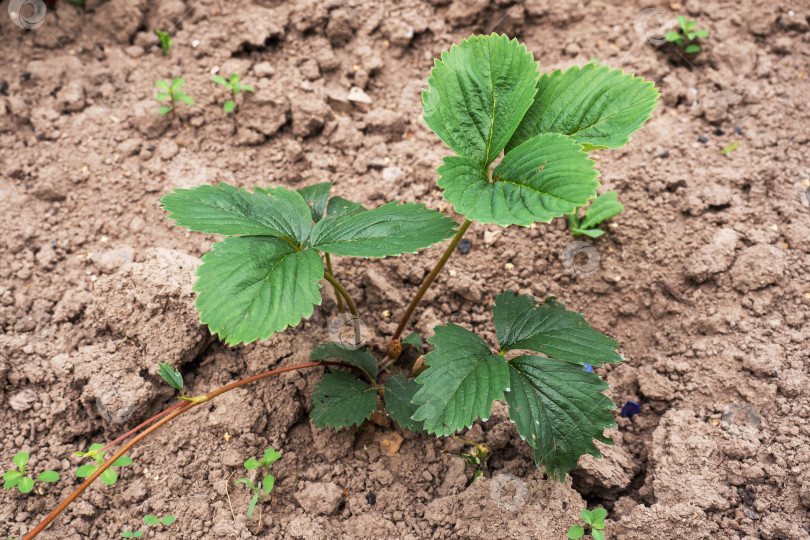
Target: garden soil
{"type": "Point", "coordinates": [703, 278]}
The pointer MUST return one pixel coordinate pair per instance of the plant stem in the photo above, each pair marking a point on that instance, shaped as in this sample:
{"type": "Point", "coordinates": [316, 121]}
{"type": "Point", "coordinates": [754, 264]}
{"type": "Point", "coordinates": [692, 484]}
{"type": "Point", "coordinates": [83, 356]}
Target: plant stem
{"type": "Point", "coordinates": [183, 408]}
{"type": "Point", "coordinates": [429, 280]}
{"type": "Point", "coordinates": [332, 273]}
{"type": "Point", "coordinates": [339, 288]}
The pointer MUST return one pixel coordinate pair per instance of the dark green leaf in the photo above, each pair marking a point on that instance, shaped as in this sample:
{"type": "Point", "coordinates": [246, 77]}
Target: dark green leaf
{"type": "Point", "coordinates": [226, 210]}
{"type": "Point", "coordinates": [399, 405]}
{"type": "Point", "coordinates": [341, 400]}
{"type": "Point", "coordinates": [550, 329]}
{"type": "Point", "coordinates": [602, 208]}
{"type": "Point", "coordinates": [48, 476]}
{"type": "Point", "coordinates": [462, 380]}
{"type": "Point", "coordinates": [316, 197]}
{"type": "Point", "coordinates": [151, 520]}
{"type": "Point", "coordinates": [593, 104]}
{"type": "Point", "coordinates": [477, 93]}
{"type": "Point", "coordinates": [388, 230]}
{"type": "Point", "coordinates": [251, 287]}
{"type": "Point", "coordinates": [414, 341]}
{"type": "Point", "coordinates": [171, 376]}
{"type": "Point", "coordinates": [558, 408]}
{"type": "Point", "coordinates": [338, 206]}
{"type": "Point", "coordinates": [357, 357]}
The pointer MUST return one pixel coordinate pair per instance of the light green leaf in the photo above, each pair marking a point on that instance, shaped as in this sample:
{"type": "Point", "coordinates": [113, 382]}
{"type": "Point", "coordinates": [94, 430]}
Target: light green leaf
{"type": "Point", "coordinates": [602, 208]}
{"type": "Point", "coordinates": [163, 110]}
{"type": "Point", "coordinates": [545, 177]}
{"type": "Point", "coordinates": [185, 98]}
{"type": "Point", "coordinates": [229, 106]}
{"type": "Point", "coordinates": [123, 461]}
{"type": "Point", "coordinates": [128, 534]}
{"type": "Point", "coordinates": [399, 405]}
{"type": "Point", "coordinates": [20, 459]}
{"type": "Point", "coordinates": [316, 196]}
{"type": "Point", "coordinates": [151, 520]}
{"type": "Point", "coordinates": [270, 456]}
{"type": "Point", "coordinates": [246, 88]}
{"type": "Point", "coordinates": [247, 483]}
{"type": "Point", "coordinates": [414, 341]}
{"type": "Point", "coordinates": [227, 210]}
{"type": "Point", "coordinates": [252, 504]}
{"type": "Point", "coordinates": [252, 287]}
{"type": "Point", "coordinates": [168, 520]}
{"type": "Point", "coordinates": [341, 400]}
{"type": "Point", "coordinates": [86, 470]}
{"type": "Point", "coordinates": [171, 376]}
{"type": "Point", "coordinates": [700, 33]}
{"type": "Point", "coordinates": [559, 408]}
{"type": "Point", "coordinates": [268, 482]}
{"type": "Point", "coordinates": [388, 230]}
{"type": "Point", "coordinates": [252, 464]}
{"type": "Point", "coordinates": [163, 85]}
{"type": "Point", "coordinates": [598, 524]}
{"type": "Point", "coordinates": [25, 485]}
{"type": "Point", "coordinates": [593, 104]}
{"type": "Point", "coordinates": [693, 48]}
{"type": "Point", "coordinates": [593, 233]}
{"type": "Point", "coordinates": [338, 206]}
{"type": "Point", "coordinates": [48, 476]}
{"type": "Point", "coordinates": [462, 380]}
{"type": "Point", "coordinates": [11, 479]}
{"type": "Point", "coordinates": [109, 477]}
{"type": "Point", "coordinates": [357, 357]}
{"type": "Point", "coordinates": [577, 531]}
{"type": "Point", "coordinates": [161, 96]}
{"type": "Point", "coordinates": [477, 93]}
{"type": "Point", "coordinates": [598, 535]}
{"type": "Point", "coordinates": [219, 80]}
{"type": "Point", "coordinates": [177, 82]}
{"type": "Point", "coordinates": [550, 329]}
{"type": "Point", "coordinates": [586, 515]}
{"type": "Point", "coordinates": [599, 514]}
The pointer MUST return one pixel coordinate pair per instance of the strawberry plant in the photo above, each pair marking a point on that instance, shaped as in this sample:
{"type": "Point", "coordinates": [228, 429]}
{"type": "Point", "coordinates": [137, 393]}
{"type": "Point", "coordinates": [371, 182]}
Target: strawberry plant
{"type": "Point", "coordinates": [172, 92]}
{"type": "Point", "coordinates": [234, 87]}
{"type": "Point", "coordinates": [486, 100]}
{"type": "Point", "coordinates": [602, 208]}
{"type": "Point", "coordinates": [24, 483]}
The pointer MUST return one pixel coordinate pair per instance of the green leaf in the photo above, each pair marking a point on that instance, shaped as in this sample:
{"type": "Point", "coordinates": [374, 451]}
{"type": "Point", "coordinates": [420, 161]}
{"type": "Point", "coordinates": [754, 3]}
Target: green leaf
{"type": "Point", "coordinates": [171, 376]}
{"type": "Point", "coordinates": [388, 230]}
{"type": "Point", "coordinates": [599, 514]}
{"type": "Point", "coordinates": [341, 400]}
{"type": "Point", "coordinates": [163, 85]}
{"type": "Point", "coordinates": [576, 532]}
{"type": "Point", "coordinates": [598, 535]}
{"type": "Point", "coordinates": [587, 517]}
{"type": "Point", "coordinates": [550, 329]}
{"type": "Point", "coordinates": [219, 80]}
{"type": "Point", "coordinates": [593, 233]}
{"type": "Point", "coordinates": [128, 534]}
{"type": "Point", "coordinates": [414, 341]}
{"type": "Point", "coordinates": [252, 504]}
{"type": "Point", "coordinates": [357, 357]}
{"type": "Point", "coordinates": [20, 459]}
{"type": "Point", "coordinates": [168, 520]}
{"type": "Point", "coordinates": [123, 461]}
{"type": "Point", "coordinates": [593, 104]}
{"type": "Point", "coordinates": [252, 464]}
{"type": "Point", "coordinates": [316, 196]}
{"type": "Point", "coordinates": [185, 98]}
{"type": "Point", "coordinates": [602, 208]}
{"type": "Point", "coordinates": [477, 93]}
{"type": "Point", "coordinates": [399, 405]}
{"type": "Point", "coordinates": [598, 524]}
{"type": "Point", "coordinates": [338, 206]}
{"type": "Point", "coordinates": [246, 88]}
{"type": "Point", "coordinates": [730, 148]}
{"type": "Point", "coordinates": [11, 479]}
{"type": "Point", "coordinates": [226, 210]}
{"type": "Point", "coordinates": [151, 520]}
{"type": "Point", "coordinates": [25, 485]}
{"type": "Point", "coordinates": [251, 287]}
{"type": "Point", "coordinates": [700, 33]}
{"type": "Point", "coordinates": [161, 96]}
{"type": "Point", "coordinates": [558, 408]}
{"type": "Point", "coordinates": [693, 48]}
{"type": "Point", "coordinates": [268, 482]}
{"type": "Point", "coordinates": [248, 483]}
{"type": "Point", "coordinates": [228, 106]}
{"type": "Point", "coordinates": [86, 470]}
{"type": "Point", "coordinates": [164, 110]}
{"type": "Point", "coordinates": [109, 477]}
{"type": "Point", "coordinates": [462, 380]}
{"type": "Point", "coordinates": [48, 476]}
{"type": "Point", "coordinates": [270, 456]}
{"type": "Point", "coordinates": [177, 82]}
{"type": "Point", "coordinates": [545, 177]}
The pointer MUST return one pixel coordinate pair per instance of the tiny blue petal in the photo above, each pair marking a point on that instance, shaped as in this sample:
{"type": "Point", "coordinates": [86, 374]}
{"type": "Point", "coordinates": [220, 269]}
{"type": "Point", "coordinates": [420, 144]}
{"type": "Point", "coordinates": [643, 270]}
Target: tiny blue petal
{"type": "Point", "coordinates": [630, 408]}
{"type": "Point", "coordinates": [589, 368]}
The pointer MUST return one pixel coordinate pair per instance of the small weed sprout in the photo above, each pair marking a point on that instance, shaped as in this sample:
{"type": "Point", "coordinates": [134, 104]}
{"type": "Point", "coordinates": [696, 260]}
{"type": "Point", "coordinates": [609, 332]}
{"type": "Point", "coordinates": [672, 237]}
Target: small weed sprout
{"type": "Point", "coordinates": [109, 476]}
{"type": "Point", "coordinates": [165, 41]}
{"type": "Point", "coordinates": [262, 489]}
{"type": "Point", "coordinates": [172, 92]}
{"type": "Point", "coordinates": [602, 208]}
{"type": "Point", "coordinates": [478, 459]}
{"type": "Point", "coordinates": [686, 38]}
{"type": "Point", "coordinates": [173, 377]}
{"type": "Point", "coordinates": [234, 86]}
{"type": "Point", "coordinates": [149, 519]}
{"type": "Point", "coordinates": [24, 483]}
{"type": "Point", "coordinates": [595, 520]}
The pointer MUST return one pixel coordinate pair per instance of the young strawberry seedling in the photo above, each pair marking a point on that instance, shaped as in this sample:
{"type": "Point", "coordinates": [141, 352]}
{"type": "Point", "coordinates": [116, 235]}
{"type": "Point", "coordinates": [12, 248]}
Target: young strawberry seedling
{"type": "Point", "coordinates": [24, 483]}
{"type": "Point", "coordinates": [165, 41]}
{"type": "Point", "coordinates": [109, 477]}
{"type": "Point", "coordinates": [595, 520]}
{"type": "Point", "coordinates": [234, 86]}
{"type": "Point", "coordinates": [686, 38]}
{"type": "Point", "coordinates": [172, 92]}
{"type": "Point", "coordinates": [602, 208]}
{"type": "Point", "coordinates": [263, 488]}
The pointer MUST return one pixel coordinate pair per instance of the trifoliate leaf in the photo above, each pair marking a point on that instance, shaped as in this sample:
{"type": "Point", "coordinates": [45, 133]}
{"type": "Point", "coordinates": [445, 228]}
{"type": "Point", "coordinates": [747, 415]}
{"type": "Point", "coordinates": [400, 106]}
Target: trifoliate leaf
{"type": "Point", "coordinates": [358, 357]}
{"type": "Point", "coordinates": [48, 476]}
{"type": "Point", "coordinates": [477, 93]}
{"type": "Point", "coordinates": [226, 210]}
{"type": "Point", "coordinates": [550, 329]}
{"type": "Point", "coordinates": [593, 104]}
{"type": "Point", "coordinates": [399, 405]}
{"type": "Point", "coordinates": [339, 206]}
{"type": "Point", "coordinates": [602, 208]}
{"type": "Point", "coordinates": [558, 408]}
{"type": "Point", "coordinates": [342, 400]}
{"type": "Point", "coordinates": [150, 519]}
{"type": "Point", "coordinates": [388, 230]}
{"type": "Point", "coordinates": [462, 380]}
{"type": "Point", "coordinates": [171, 376]}
{"type": "Point", "coordinates": [251, 287]}
{"type": "Point", "coordinates": [543, 178]}
{"type": "Point", "coordinates": [316, 197]}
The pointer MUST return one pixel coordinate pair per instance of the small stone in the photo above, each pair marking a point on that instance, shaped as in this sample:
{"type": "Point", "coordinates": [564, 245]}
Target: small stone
{"type": "Point", "coordinates": [464, 246]}
{"type": "Point", "coordinates": [371, 498]}
{"type": "Point", "coordinates": [391, 174]}
{"type": "Point", "coordinates": [390, 443]}
{"type": "Point", "coordinates": [319, 498]}
{"type": "Point", "coordinates": [490, 237]}
{"type": "Point", "coordinates": [22, 401]}
{"type": "Point", "coordinates": [356, 95]}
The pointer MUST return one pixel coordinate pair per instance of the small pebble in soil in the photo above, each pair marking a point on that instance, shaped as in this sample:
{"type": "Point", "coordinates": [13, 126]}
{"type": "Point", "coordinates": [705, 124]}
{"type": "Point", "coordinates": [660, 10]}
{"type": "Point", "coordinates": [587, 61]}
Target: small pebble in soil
{"type": "Point", "coordinates": [371, 498]}
{"type": "Point", "coordinates": [703, 139]}
{"type": "Point", "coordinates": [719, 132]}
{"type": "Point", "coordinates": [738, 130]}
{"type": "Point", "coordinates": [464, 245]}
{"type": "Point", "coordinates": [25, 76]}
{"type": "Point", "coordinates": [4, 88]}
{"type": "Point", "coordinates": [630, 408]}
{"type": "Point", "coordinates": [589, 368]}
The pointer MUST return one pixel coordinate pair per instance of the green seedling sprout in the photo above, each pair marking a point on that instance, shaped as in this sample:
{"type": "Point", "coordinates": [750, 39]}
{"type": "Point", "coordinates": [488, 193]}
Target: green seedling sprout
{"type": "Point", "coordinates": [24, 483]}
{"type": "Point", "coordinates": [172, 92]}
{"type": "Point", "coordinates": [730, 148]}
{"type": "Point", "coordinates": [234, 86]}
{"type": "Point", "coordinates": [173, 377]}
{"type": "Point", "coordinates": [263, 488]}
{"type": "Point", "coordinates": [149, 519]}
{"type": "Point", "coordinates": [686, 38]}
{"type": "Point", "coordinates": [602, 208]}
{"type": "Point", "coordinates": [165, 41]}
{"type": "Point", "coordinates": [595, 520]}
{"type": "Point", "coordinates": [478, 459]}
{"type": "Point", "coordinates": [109, 476]}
